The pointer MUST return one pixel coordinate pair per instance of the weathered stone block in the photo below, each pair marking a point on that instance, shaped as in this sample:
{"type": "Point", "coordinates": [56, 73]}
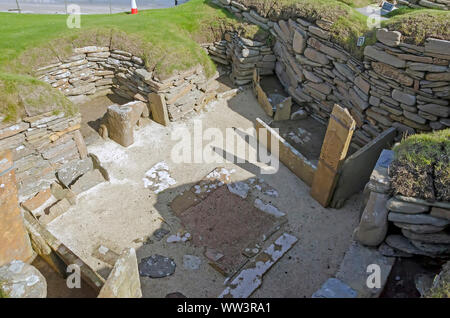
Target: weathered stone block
{"type": "Point", "coordinates": [123, 281]}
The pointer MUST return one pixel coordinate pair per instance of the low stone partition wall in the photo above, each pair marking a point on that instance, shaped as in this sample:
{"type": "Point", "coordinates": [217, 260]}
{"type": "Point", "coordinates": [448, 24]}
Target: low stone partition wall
{"type": "Point", "coordinates": [395, 85]}
{"type": "Point", "coordinates": [244, 55]}
{"type": "Point", "coordinates": [41, 145]}
{"type": "Point", "coordinates": [402, 226]}
{"type": "Point", "coordinates": [433, 4]}
{"type": "Point", "coordinates": [94, 71]}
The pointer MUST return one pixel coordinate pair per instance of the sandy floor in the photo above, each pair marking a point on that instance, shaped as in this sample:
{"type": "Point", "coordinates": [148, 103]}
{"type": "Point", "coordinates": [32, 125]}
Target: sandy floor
{"type": "Point", "coordinates": [122, 213]}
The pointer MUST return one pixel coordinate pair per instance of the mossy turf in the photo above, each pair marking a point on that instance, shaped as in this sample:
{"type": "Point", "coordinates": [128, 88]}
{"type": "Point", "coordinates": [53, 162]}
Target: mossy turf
{"type": "Point", "coordinates": [441, 288]}
{"type": "Point", "coordinates": [422, 166]}
{"type": "Point", "coordinates": [21, 92]}
{"type": "Point", "coordinates": [418, 25]}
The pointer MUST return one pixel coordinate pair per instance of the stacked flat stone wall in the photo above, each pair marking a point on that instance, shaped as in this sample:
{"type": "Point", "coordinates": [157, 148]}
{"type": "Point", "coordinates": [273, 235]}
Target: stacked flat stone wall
{"type": "Point", "coordinates": [243, 55]}
{"type": "Point", "coordinates": [395, 85]}
{"type": "Point", "coordinates": [40, 145]}
{"type": "Point", "coordinates": [432, 4]}
{"type": "Point", "coordinates": [402, 226]}
{"type": "Point", "coordinates": [94, 71]}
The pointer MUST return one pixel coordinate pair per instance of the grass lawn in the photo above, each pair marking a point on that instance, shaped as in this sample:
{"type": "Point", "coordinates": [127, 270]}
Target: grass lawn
{"type": "Point", "coordinates": [168, 34]}
{"type": "Point", "coordinates": [167, 39]}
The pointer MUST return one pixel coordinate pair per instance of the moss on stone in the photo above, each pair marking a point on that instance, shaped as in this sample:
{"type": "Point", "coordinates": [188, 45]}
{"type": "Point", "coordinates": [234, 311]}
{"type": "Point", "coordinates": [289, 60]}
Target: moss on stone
{"type": "Point", "coordinates": [19, 92]}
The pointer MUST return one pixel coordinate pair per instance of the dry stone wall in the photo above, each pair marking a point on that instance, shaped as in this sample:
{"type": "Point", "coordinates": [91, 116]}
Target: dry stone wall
{"type": "Point", "coordinates": [395, 85]}
{"type": "Point", "coordinates": [94, 71]}
{"type": "Point", "coordinates": [40, 145]}
{"type": "Point", "coordinates": [243, 55]}
{"type": "Point", "coordinates": [433, 4]}
{"type": "Point", "coordinates": [402, 226]}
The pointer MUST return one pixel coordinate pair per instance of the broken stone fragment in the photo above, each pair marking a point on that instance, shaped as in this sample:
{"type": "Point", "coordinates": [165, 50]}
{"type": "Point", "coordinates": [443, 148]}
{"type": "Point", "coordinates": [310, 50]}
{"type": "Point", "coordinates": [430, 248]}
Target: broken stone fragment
{"type": "Point", "coordinates": [21, 280]}
{"type": "Point", "coordinates": [250, 278]}
{"type": "Point", "coordinates": [239, 188]}
{"type": "Point", "coordinates": [157, 266]}
{"type": "Point", "coordinates": [268, 208]}
{"type": "Point", "coordinates": [72, 170]}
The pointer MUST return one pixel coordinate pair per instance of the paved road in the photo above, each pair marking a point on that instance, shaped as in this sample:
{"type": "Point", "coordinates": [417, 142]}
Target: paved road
{"type": "Point", "coordinates": [87, 6]}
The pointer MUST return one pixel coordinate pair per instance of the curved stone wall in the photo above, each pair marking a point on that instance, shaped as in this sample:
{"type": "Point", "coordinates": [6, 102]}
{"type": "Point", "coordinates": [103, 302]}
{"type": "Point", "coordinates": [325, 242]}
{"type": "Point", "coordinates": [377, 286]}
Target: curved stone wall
{"type": "Point", "coordinates": [94, 70]}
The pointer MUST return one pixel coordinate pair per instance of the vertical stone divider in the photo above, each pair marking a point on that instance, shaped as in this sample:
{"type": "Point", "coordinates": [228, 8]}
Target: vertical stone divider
{"type": "Point", "coordinates": [261, 95]}
{"type": "Point", "coordinates": [14, 240]}
{"type": "Point", "coordinates": [334, 150]}
{"type": "Point", "coordinates": [158, 108]}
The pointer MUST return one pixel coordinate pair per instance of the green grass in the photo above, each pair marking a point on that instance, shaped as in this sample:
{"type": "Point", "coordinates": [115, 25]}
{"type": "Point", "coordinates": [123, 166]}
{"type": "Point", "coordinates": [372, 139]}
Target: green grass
{"type": "Point", "coordinates": [424, 150]}
{"type": "Point", "coordinates": [167, 36]}
{"type": "Point", "coordinates": [19, 90]}
{"type": "Point", "coordinates": [167, 39]}
{"type": "Point", "coordinates": [419, 24]}
{"type": "Point", "coordinates": [348, 24]}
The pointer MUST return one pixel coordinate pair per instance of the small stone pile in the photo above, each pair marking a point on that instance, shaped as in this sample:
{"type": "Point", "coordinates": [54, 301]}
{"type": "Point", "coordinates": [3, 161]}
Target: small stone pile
{"type": "Point", "coordinates": [432, 4]}
{"type": "Point", "coordinates": [395, 85]}
{"type": "Point", "coordinates": [96, 71]}
{"type": "Point", "coordinates": [402, 226]}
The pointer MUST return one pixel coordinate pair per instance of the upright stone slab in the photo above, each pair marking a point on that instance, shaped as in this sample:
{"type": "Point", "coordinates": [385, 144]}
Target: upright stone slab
{"type": "Point", "coordinates": [123, 281]}
{"type": "Point", "coordinates": [159, 109]}
{"type": "Point", "coordinates": [121, 120]}
{"type": "Point", "coordinates": [373, 226]}
{"type": "Point", "coordinates": [359, 168]}
{"type": "Point", "coordinates": [14, 240]}
{"type": "Point", "coordinates": [334, 150]}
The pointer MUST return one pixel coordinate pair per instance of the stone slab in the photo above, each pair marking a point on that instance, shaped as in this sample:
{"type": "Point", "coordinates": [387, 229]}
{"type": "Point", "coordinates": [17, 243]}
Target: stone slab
{"type": "Point", "coordinates": [353, 269]}
{"type": "Point", "coordinates": [334, 288]}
